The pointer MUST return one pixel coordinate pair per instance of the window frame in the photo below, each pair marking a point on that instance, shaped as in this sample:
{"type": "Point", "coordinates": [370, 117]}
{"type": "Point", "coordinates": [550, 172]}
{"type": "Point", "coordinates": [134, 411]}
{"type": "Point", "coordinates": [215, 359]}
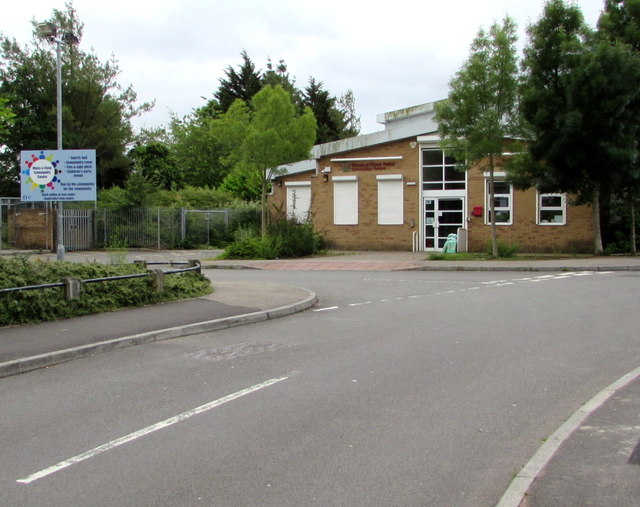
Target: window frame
{"type": "Point", "coordinates": [540, 208]}
{"type": "Point", "coordinates": [447, 164]}
{"type": "Point", "coordinates": [509, 196]}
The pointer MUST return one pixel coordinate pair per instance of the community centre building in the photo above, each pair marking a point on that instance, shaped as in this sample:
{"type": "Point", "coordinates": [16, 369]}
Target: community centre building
{"type": "Point", "coordinates": [396, 190]}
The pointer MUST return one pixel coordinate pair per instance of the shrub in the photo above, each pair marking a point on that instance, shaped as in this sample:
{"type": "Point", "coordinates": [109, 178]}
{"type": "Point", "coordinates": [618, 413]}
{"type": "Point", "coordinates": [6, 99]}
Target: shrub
{"type": "Point", "coordinates": [295, 239]}
{"type": "Point", "coordinates": [48, 304]}
{"type": "Point", "coordinates": [285, 239]}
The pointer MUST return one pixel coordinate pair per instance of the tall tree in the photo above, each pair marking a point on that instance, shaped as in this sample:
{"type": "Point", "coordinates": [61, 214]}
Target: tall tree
{"type": "Point", "coordinates": [323, 106]}
{"type": "Point", "coordinates": [580, 102]}
{"type": "Point", "coordinates": [197, 150]}
{"type": "Point", "coordinates": [335, 117]}
{"type": "Point", "coordinates": [97, 111]}
{"type": "Point", "coordinates": [620, 22]}
{"type": "Point", "coordinates": [6, 118]}
{"type": "Point", "coordinates": [155, 162]}
{"type": "Point", "coordinates": [242, 84]}
{"type": "Point", "coordinates": [347, 107]}
{"type": "Point", "coordinates": [279, 75]}
{"type": "Point", "coordinates": [269, 136]}
{"type": "Point", "coordinates": [481, 109]}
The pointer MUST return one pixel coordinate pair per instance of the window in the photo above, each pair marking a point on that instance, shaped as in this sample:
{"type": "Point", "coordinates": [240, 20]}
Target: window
{"type": "Point", "coordinates": [390, 200]}
{"type": "Point", "coordinates": [439, 171]}
{"type": "Point", "coordinates": [502, 203]}
{"type": "Point", "coordinates": [298, 200]}
{"type": "Point", "coordinates": [345, 200]}
{"type": "Point", "coordinates": [552, 209]}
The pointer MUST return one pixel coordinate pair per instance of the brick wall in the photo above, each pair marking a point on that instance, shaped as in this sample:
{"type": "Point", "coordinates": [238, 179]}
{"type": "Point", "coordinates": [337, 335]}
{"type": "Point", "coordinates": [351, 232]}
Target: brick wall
{"type": "Point", "coordinates": [576, 235]}
{"type": "Point", "coordinates": [367, 234]}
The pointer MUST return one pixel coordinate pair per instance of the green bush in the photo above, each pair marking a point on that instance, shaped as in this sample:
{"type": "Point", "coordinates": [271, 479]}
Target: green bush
{"type": "Point", "coordinates": [49, 304]}
{"type": "Point", "coordinates": [285, 239]}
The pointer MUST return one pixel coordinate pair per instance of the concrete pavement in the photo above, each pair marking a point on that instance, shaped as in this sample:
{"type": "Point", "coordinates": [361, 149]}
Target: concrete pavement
{"type": "Point", "coordinates": [593, 459]}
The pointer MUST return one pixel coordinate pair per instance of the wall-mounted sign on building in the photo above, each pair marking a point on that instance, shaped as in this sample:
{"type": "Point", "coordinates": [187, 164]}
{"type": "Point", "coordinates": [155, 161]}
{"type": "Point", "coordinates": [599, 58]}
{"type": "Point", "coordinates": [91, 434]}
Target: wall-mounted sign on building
{"type": "Point", "coordinates": [372, 166]}
{"type": "Point", "coordinates": [58, 175]}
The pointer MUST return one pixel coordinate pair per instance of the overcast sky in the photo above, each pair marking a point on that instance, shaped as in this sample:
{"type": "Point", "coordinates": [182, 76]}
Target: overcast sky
{"type": "Point", "coordinates": [392, 54]}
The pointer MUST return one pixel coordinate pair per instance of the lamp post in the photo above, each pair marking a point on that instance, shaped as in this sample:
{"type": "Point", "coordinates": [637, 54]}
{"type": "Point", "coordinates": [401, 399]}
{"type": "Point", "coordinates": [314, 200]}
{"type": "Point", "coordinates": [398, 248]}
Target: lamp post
{"type": "Point", "coordinates": [49, 31]}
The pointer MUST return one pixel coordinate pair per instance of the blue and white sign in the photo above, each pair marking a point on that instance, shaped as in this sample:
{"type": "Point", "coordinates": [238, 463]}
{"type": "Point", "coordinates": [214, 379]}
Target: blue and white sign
{"type": "Point", "coordinates": [58, 175]}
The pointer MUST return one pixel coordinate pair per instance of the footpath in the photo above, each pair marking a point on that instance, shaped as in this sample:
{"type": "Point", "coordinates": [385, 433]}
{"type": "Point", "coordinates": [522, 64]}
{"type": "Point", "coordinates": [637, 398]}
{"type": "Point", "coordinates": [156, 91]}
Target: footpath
{"type": "Point", "coordinates": [593, 459]}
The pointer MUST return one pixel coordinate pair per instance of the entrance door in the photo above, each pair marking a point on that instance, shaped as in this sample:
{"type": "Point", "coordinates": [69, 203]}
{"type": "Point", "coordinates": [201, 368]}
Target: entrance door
{"type": "Point", "coordinates": [442, 216]}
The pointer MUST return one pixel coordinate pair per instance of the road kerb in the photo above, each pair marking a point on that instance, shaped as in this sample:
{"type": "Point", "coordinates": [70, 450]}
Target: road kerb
{"type": "Point", "coordinates": [26, 364]}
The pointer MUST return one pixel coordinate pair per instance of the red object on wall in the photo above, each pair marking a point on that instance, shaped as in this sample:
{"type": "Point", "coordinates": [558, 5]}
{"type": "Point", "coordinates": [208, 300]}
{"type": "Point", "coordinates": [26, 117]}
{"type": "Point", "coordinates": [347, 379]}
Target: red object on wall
{"type": "Point", "coordinates": [477, 211]}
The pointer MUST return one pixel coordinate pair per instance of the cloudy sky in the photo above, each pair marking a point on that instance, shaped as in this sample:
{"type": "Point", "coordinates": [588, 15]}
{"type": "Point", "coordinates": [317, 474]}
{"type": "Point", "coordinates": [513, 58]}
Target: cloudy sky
{"type": "Point", "coordinates": [390, 54]}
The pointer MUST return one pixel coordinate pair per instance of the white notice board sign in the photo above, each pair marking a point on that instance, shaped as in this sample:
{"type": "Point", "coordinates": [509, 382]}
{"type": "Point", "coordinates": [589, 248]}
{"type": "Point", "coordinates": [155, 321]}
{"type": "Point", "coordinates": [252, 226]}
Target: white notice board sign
{"type": "Point", "coordinates": [58, 175]}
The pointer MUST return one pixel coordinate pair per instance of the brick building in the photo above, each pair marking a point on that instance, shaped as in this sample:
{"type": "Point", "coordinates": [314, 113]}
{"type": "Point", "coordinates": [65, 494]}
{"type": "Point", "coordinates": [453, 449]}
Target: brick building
{"type": "Point", "coordinates": [396, 190]}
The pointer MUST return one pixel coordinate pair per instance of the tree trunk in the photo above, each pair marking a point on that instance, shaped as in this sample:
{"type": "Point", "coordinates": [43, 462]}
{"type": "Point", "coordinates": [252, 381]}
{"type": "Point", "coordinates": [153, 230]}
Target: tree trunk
{"type": "Point", "coordinates": [263, 209]}
{"type": "Point", "coordinates": [596, 221]}
{"type": "Point", "coordinates": [492, 214]}
{"type": "Point", "coordinates": [633, 226]}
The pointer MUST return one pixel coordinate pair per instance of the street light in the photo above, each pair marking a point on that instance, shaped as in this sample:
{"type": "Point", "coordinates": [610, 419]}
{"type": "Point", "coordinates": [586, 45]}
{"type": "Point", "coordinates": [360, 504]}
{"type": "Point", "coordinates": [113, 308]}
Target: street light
{"type": "Point", "coordinates": [49, 31]}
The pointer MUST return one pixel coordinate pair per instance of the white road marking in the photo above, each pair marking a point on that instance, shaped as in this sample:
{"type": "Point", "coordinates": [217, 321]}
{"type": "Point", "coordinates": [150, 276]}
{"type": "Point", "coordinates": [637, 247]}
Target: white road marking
{"type": "Point", "coordinates": [327, 308]}
{"type": "Point", "coordinates": [361, 304]}
{"type": "Point", "coordinates": [149, 429]}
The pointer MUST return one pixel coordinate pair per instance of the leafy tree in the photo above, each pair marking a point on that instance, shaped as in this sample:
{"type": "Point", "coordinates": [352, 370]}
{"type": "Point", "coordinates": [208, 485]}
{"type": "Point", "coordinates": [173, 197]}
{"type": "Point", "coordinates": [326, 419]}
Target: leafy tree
{"type": "Point", "coordinates": [347, 107]}
{"type": "Point", "coordinates": [580, 102]}
{"type": "Point", "coordinates": [138, 190]}
{"type": "Point", "coordinates": [6, 118]}
{"type": "Point", "coordinates": [481, 110]}
{"type": "Point", "coordinates": [620, 22]}
{"type": "Point", "coordinates": [279, 75]}
{"type": "Point", "coordinates": [97, 111]}
{"type": "Point", "coordinates": [197, 151]}
{"type": "Point", "coordinates": [243, 185]}
{"type": "Point", "coordinates": [332, 115]}
{"type": "Point", "coordinates": [155, 162]}
{"type": "Point", "coordinates": [267, 137]}
{"type": "Point", "coordinates": [242, 84]}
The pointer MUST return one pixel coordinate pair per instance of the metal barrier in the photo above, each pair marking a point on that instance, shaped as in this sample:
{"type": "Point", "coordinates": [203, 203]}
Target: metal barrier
{"type": "Point", "coordinates": [72, 289]}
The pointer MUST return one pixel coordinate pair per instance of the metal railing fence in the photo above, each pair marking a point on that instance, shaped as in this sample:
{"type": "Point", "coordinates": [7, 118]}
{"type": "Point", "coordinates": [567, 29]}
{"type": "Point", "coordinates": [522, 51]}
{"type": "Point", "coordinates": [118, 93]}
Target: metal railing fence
{"type": "Point", "coordinates": [86, 227]}
{"type": "Point", "coordinates": [192, 266]}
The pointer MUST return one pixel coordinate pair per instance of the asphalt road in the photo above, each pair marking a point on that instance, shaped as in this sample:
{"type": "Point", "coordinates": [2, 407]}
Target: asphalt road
{"type": "Point", "coordinates": [398, 388]}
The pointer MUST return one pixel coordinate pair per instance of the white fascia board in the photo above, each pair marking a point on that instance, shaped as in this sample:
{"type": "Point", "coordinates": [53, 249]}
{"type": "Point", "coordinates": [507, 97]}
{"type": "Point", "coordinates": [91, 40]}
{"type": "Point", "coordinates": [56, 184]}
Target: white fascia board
{"type": "Point", "coordinates": [365, 159]}
{"type": "Point", "coordinates": [365, 141]}
{"type": "Point", "coordinates": [429, 139]}
{"type": "Point", "coordinates": [407, 112]}
{"type": "Point", "coordinates": [299, 167]}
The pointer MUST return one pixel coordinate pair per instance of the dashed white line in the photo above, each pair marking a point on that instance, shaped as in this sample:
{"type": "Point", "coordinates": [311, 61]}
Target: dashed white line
{"type": "Point", "coordinates": [489, 284]}
{"type": "Point", "coordinates": [326, 308]}
{"type": "Point", "coordinates": [149, 429]}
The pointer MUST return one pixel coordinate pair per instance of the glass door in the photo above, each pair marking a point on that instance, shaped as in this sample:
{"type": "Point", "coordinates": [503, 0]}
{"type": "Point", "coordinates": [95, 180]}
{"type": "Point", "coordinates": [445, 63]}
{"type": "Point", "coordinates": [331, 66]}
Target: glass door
{"type": "Point", "coordinates": [442, 216]}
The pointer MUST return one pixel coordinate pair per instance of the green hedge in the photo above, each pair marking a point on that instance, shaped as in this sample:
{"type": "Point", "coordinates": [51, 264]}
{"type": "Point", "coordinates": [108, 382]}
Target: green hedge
{"type": "Point", "coordinates": [285, 239]}
{"type": "Point", "coordinates": [49, 304]}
